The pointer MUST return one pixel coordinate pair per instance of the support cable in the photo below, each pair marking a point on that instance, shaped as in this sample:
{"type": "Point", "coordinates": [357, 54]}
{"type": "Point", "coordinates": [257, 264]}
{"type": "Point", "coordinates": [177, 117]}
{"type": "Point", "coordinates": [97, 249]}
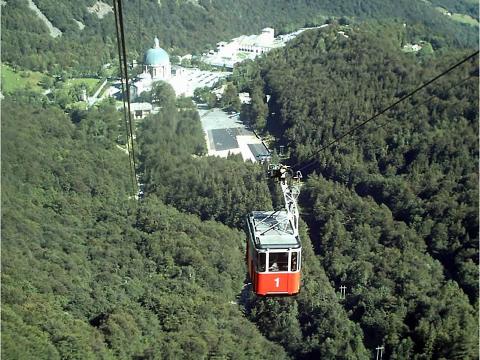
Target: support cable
{"type": "Point", "coordinates": [117, 5]}
{"type": "Point", "coordinates": [419, 104]}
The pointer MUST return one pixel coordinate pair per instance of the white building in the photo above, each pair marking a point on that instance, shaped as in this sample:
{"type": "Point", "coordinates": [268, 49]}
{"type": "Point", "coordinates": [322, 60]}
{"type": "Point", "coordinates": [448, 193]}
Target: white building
{"type": "Point", "coordinates": [246, 47]}
{"type": "Point", "coordinates": [157, 63]}
{"type": "Point", "coordinates": [257, 44]}
{"type": "Point", "coordinates": [241, 48]}
{"type": "Point", "coordinates": [156, 67]}
{"type": "Point", "coordinates": [141, 110]}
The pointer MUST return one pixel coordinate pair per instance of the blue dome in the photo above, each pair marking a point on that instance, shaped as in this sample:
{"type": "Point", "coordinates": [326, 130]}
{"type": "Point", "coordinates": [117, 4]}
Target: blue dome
{"type": "Point", "coordinates": [156, 56]}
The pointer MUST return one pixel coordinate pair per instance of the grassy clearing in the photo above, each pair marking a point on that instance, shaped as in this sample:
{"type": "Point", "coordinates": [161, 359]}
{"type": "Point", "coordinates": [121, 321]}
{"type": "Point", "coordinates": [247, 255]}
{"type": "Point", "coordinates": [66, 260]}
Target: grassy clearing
{"type": "Point", "coordinates": [13, 80]}
{"type": "Point", "coordinates": [91, 84]}
{"type": "Point", "coordinates": [466, 19]}
{"type": "Point", "coordinates": [441, 10]}
{"type": "Point", "coordinates": [19, 80]}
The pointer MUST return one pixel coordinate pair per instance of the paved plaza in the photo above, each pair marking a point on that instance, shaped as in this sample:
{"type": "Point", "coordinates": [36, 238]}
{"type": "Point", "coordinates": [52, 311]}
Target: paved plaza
{"type": "Point", "coordinates": [226, 134]}
{"type": "Point", "coordinates": [186, 80]}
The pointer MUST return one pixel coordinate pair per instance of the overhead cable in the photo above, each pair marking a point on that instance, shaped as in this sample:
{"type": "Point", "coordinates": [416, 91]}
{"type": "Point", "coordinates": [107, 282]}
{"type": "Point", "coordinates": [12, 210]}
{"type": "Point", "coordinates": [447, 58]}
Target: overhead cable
{"type": "Point", "coordinates": [410, 94]}
{"type": "Point", "coordinates": [429, 99]}
{"type": "Point", "coordinates": [122, 56]}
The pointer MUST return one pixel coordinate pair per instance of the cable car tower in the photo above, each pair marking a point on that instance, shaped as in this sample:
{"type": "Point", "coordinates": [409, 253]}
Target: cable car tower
{"type": "Point", "coordinates": [273, 245]}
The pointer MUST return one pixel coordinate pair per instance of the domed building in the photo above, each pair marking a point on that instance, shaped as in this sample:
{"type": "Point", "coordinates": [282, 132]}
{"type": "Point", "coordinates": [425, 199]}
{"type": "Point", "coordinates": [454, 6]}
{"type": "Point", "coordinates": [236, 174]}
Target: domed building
{"type": "Point", "coordinates": [157, 62]}
{"type": "Point", "coordinates": [156, 67]}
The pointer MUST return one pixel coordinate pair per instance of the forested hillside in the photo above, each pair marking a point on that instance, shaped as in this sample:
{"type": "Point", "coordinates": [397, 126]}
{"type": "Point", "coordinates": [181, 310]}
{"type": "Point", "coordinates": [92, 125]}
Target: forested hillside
{"type": "Point", "coordinates": [213, 188]}
{"type": "Point", "coordinates": [393, 211]}
{"type": "Point", "coordinates": [311, 325]}
{"type": "Point", "coordinates": [88, 273]}
{"type": "Point", "coordinates": [194, 26]}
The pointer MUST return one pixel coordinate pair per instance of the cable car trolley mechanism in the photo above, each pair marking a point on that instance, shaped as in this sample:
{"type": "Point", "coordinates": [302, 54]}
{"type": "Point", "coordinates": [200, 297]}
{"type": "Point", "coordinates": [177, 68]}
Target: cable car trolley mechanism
{"type": "Point", "coordinates": [273, 244]}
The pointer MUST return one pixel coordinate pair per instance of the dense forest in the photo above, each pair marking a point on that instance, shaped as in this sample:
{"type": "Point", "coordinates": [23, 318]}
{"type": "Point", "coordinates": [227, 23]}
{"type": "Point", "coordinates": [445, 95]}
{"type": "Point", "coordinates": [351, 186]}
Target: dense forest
{"type": "Point", "coordinates": [393, 211]}
{"type": "Point", "coordinates": [194, 26]}
{"type": "Point", "coordinates": [89, 270]}
{"type": "Point", "coordinates": [226, 190]}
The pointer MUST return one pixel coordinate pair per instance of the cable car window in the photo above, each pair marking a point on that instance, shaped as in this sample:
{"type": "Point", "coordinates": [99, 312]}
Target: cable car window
{"type": "Point", "coordinates": [261, 260]}
{"type": "Point", "coordinates": [294, 264]}
{"type": "Point", "coordinates": [278, 262]}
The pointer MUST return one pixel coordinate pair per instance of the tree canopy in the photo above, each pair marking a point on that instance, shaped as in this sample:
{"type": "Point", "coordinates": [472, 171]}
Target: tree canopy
{"type": "Point", "coordinates": [89, 273]}
{"type": "Point", "coordinates": [390, 213]}
{"type": "Point", "coordinates": [393, 211]}
{"type": "Point", "coordinates": [194, 26]}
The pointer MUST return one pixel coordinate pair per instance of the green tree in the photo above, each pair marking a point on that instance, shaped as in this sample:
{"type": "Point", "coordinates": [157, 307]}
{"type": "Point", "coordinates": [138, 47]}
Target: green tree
{"type": "Point", "coordinates": [259, 111]}
{"type": "Point", "coordinates": [162, 94]}
{"type": "Point", "coordinates": [46, 82]}
{"type": "Point", "coordinates": [230, 99]}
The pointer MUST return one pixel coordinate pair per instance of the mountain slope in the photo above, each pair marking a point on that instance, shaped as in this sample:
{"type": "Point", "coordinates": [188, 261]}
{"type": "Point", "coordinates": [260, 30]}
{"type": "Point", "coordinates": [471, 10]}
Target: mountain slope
{"type": "Point", "coordinates": [88, 273]}
{"type": "Point", "coordinates": [186, 26]}
{"type": "Point", "coordinates": [311, 325]}
{"type": "Point", "coordinates": [393, 214]}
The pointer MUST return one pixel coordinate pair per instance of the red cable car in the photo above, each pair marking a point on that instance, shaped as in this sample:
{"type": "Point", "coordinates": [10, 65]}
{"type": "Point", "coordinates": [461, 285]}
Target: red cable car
{"type": "Point", "coordinates": [273, 245]}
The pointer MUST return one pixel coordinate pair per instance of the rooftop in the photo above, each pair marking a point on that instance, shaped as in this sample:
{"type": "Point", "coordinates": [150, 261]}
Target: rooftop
{"type": "Point", "coordinates": [156, 55]}
{"type": "Point", "coordinates": [271, 229]}
{"type": "Point", "coordinates": [141, 106]}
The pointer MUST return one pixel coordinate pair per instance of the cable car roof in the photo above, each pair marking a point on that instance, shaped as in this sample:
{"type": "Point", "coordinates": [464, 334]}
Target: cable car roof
{"type": "Point", "coordinates": [272, 230]}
